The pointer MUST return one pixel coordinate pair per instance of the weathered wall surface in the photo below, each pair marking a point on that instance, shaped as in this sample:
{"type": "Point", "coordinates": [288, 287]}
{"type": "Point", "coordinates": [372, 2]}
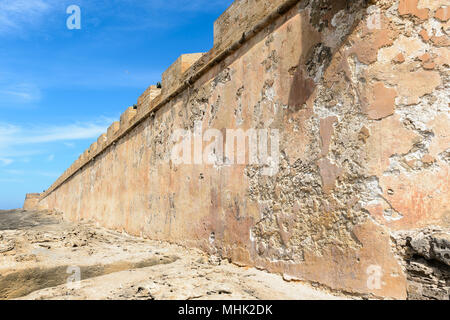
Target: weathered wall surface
{"type": "Point", "coordinates": [360, 94]}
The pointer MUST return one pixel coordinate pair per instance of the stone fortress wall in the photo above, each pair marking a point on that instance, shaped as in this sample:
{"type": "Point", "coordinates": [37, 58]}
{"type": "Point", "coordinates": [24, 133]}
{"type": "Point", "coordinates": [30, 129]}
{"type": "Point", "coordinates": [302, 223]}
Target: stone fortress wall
{"type": "Point", "coordinates": [31, 201]}
{"type": "Point", "coordinates": [359, 92]}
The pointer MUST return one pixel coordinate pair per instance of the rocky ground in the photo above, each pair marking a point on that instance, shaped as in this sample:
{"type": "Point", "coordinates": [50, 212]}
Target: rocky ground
{"type": "Point", "coordinates": [41, 257]}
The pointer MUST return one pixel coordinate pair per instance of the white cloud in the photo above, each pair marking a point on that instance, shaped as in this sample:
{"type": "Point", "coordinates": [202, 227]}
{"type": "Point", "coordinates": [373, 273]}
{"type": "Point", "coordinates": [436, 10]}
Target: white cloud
{"type": "Point", "coordinates": [14, 14]}
{"type": "Point", "coordinates": [63, 133]}
{"type": "Point", "coordinates": [11, 180]}
{"type": "Point", "coordinates": [51, 157]}
{"type": "Point", "coordinates": [19, 93]}
{"type": "Point", "coordinates": [20, 141]}
{"type": "Point", "coordinates": [5, 161]}
{"type": "Point", "coordinates": [15, 172]}
{"type": "Point", "coordinates": [17, 15]}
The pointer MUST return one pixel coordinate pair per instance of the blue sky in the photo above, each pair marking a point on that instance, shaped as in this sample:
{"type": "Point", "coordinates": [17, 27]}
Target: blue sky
{"type": "Point", "coordinates": [60, 88]}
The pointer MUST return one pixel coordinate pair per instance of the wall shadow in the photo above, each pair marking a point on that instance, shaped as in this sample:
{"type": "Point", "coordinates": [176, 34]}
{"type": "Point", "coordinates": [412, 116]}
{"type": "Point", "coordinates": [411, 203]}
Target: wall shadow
{"type": "Point", "coordinates": [316, 59]}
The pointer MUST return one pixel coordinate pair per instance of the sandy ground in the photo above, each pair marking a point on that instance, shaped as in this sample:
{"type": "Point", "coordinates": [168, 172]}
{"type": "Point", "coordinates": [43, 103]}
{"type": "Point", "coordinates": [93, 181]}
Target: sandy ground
{"type": "Point", "coordinates": [42, 257]}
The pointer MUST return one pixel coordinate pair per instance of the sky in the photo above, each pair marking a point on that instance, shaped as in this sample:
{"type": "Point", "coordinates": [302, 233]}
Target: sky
{"type": "Point", "coordinates": [61, 88]}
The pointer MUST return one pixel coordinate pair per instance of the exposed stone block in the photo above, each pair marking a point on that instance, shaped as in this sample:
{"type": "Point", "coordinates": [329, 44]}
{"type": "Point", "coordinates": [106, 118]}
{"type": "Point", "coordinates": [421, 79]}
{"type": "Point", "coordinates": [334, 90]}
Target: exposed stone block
{"type": "Point", "coordinates": [147, 97]}
{"type": "Point", "coordinates": [93, 148]}
{"type": "Point", "coordinates": [427, 262]}
{"type": "Point", "coordinates": [125, 118]}
{"type": "Point", "coordinates": [86, 155]}
{"type": "Point", "coordinates": [239, 18]}
{"type": "Point", "coordinates": [31, 201]}
{"type": "Point", "coordinates": [172, 77]}
{"type": "Point", "coordinates": [112, 130]}
{"type": "Point", "coordinates": [101, 141]}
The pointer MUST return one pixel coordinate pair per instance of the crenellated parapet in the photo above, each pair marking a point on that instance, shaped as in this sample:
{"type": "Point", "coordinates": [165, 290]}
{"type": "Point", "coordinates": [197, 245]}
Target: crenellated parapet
{"type": "Point", "coordinates": [101, 141]}
{"type": "Point", "coordinates": [145, 100]}
{"type": "Point", "coordinates": [172, 77]}
{"type": "Point", "coordinates": [127, 117]}
{"type": "Point", "coordinates": [240, 18]}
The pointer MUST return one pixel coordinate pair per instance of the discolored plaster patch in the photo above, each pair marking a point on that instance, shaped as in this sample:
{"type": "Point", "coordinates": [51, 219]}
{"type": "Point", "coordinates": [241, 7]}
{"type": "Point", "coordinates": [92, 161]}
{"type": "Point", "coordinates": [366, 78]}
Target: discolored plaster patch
{"type": "Point", "coordinates": [381, 101]}
{"type": "Point", "coordinates": [409, 7]}
{"type": "Point", "coordinates": [443, 14]}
